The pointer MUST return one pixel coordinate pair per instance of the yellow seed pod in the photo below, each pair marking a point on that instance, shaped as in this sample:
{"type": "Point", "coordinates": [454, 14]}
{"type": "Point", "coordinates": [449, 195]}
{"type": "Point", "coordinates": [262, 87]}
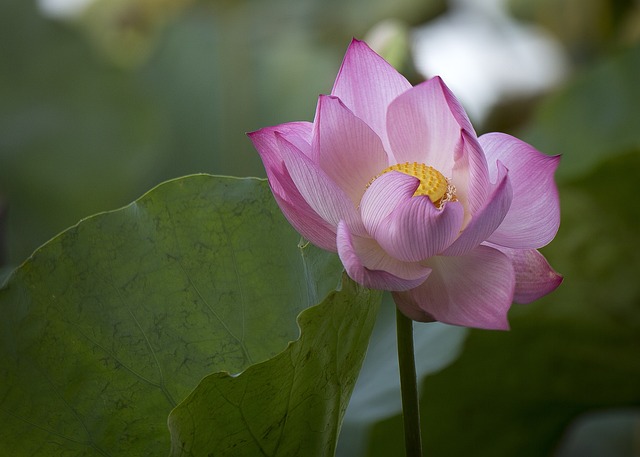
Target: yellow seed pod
{"type": "Point", "coordinates": [432, 182]}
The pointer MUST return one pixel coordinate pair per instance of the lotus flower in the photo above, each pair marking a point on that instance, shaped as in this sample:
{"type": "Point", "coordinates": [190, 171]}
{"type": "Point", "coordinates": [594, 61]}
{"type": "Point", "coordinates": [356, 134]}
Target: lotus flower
{"type": "Point", "coordinates": [394, 179]}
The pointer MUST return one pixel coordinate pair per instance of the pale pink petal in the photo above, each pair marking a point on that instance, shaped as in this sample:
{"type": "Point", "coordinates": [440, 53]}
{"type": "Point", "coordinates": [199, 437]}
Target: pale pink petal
{"type": "Point", "coordinates": [417, 230]}
{"type": "Point", "coordinates": [474, 290]}
{"type": "Point", "coordinates": [295, 208]}
{"type": "Point", "coordinates": [534, 276]}
{"type": "Point", "coordinates": [485, 221]}
{"type": "Point", "coordinates": [367, 264]}
{"type": "Point", "coordinates": [534, 216]}
{"type": "Point", "coordinates": [366, 83]}
{"type": "Point", "coordinates": [374, 257]}
{"type": "Point", "coordinates": [306, 221]}
{"type": "Point", "coordinates": [423, 128]}
{"type": "Point", "coordinates": [383, 195]}
{"type": "Point", "coordinates": [470, 175]}
{"type": "Point", "coordinates": [319, 191]}
{"type": "Point", "coordinates": [348, 151]}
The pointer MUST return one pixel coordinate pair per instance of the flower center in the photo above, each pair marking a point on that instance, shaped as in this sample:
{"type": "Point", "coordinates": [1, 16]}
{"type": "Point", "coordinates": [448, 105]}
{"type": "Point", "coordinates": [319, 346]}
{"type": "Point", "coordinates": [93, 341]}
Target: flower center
{"type": "Point", "coordinates": [432, 182]}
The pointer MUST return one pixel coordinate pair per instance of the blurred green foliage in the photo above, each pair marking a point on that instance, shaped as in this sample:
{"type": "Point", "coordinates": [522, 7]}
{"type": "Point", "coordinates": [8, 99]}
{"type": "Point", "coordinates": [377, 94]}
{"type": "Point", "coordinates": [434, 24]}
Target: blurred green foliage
{"type": "Point", "coordinates": [588, 29]}
{"type": "Point", "coordinates": [96, 111]}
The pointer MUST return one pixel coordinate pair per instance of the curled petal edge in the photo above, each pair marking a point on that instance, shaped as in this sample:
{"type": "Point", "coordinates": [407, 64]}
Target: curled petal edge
{"type": "Point", "coordinates": [487, 219]}
{"type": "Point", "coordinates": [293, 205]}
{"type": "Point", "coordinates": [373, 279]}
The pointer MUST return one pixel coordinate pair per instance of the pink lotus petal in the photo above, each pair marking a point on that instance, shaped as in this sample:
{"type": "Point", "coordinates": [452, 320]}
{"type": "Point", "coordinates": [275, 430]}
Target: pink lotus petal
{"type": "Point", "coordinates": [534, 217]}
{"type": "Point", "coordinates": [534, 276]}
{"type": "Point", "coordinates": [471, 175]}
{"type": "Point", "coordinates": [417, 230]}
{"type": "Point", "coordinates": [295, 208]}
{"type": "Point", "coordinates": [374, 257]}
{"type": "Point", "coordinates": [485, 221]}
{"type": "Point", "coordinates": [348, 151]}
{"type": "Point", "coordinates": [423, 128]}
{"type": "Point", "coordinates": [302, 217]}
{"type": "Point", "coordinates": [409, 308]}
{"type": "Point", "coordinates": [367, 264]}
{"type": "Point", "coordinates": [319, 191]}
{"type": "Point", "coordinates": [474, 290]}
{"type": "Point", "coordinates": [297, 133]}
{"type": "Point", "coordinates": [366, 83]}
{"type": "Point", "coordinates": [383, 195]}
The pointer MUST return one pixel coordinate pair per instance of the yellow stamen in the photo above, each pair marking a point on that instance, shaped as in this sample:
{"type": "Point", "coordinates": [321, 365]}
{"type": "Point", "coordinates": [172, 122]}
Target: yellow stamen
{"type": "Point", "coordinates": [432, 182]}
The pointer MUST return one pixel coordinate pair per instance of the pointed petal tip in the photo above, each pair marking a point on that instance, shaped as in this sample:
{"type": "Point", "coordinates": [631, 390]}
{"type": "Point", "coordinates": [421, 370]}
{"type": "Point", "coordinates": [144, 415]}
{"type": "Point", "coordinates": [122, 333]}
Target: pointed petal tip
{"type": "Point", "coordinates": [255, 134]}
{"type": "Point", "coordinates": [357, 43]}
{"type": "Point", "coordinates": [535, 277]}
{"type": "Point", "coordinates": [528, 293]}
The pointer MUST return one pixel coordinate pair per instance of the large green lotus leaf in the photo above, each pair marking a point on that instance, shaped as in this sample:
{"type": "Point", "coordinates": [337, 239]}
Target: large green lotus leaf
{"type": "Point", "coordinates": [292, 404]}
{"type": "Point", "coordinates": [592, 118]}
{"type": "Point", "coordinates": [111, 324]}
{"type": "Point", "coordinates": [572, 353]}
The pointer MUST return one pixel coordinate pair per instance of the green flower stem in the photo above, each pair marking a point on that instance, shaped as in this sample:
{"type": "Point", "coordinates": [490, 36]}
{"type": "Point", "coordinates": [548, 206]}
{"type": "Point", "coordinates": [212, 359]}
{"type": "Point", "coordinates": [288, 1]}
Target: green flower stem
{"type": "Point", "coordinates": [408, 386]}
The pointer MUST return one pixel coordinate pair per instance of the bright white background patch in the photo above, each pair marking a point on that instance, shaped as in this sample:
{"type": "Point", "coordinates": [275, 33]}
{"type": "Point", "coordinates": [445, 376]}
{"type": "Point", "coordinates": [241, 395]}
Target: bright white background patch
{"type": "Point", "coordinates": [63, 8]}
{"type": "Point", "coordinates": [483, 55]}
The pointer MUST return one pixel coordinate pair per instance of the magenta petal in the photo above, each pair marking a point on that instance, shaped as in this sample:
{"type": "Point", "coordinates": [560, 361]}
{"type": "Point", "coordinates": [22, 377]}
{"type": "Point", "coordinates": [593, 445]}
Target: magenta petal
{"type": "Point", "coordinates": [348, 151]}
{"type": "Point", "coordinates": [383, 195]}
{"type": "Point", "coordinates": [407, 305]}
{"type": "Point", "coordinates": [366, 84]}
{"type": "Point", "coordinates": [474, 290]}
{"type": "Point", "coordinates": [295, 208]}
{"type": "Point", "coordinates": [319, 191]}
{"type": "Point", "coordinates": [265, 141]}
{"type": "Point", "coordinates": [373, 257]}
{"type": "Point", "coordinates": [417, 230]}
{"type": "Point", "coordinates": [534, 276]}
{"type": "Point", "coordinates": [471, 175]}
{"type": "Point", "coordinates": [423, 128]}
{"type": "Point", "coordinates": [306, 221]}
{"type": "Point", "coordinates": [534, 216]}
{"type": "Point", "coordinates": [379, 270]}
{"type": "Point", "coordinates": [297, 133]}
{"type": "Point", "coordinates": [486, 219]}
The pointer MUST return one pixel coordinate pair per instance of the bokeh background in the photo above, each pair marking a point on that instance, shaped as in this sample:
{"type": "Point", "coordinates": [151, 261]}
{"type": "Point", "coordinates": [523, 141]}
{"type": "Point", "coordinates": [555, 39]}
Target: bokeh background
{"type": "Point", "coordinates": [101, 100]}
